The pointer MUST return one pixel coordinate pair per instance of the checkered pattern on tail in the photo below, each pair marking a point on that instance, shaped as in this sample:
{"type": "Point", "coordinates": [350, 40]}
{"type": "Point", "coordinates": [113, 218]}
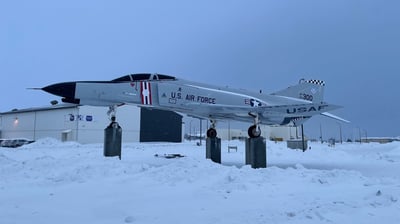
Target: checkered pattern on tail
{"type": "Point", "coordinates": [316, 82]}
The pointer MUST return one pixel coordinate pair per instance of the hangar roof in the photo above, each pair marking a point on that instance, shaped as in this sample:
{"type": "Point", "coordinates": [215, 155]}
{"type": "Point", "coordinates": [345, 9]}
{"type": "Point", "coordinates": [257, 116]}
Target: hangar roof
{"type": "Point", "coordinates": [34, 109]}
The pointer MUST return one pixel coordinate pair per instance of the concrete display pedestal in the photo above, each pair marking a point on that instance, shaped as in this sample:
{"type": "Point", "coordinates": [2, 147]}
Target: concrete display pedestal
{"type": "Point", "coordinates": [213, 149]}
{"type": "Point", "coordinates": [256, 152]}
{"type": "Point", "coordinates": [112, 140]}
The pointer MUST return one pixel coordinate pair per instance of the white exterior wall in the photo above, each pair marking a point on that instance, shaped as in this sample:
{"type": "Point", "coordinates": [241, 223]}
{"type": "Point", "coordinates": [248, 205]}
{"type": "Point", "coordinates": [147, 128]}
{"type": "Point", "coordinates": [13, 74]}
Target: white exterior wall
{"type": "Point", "coordinates": [35, 124]}
{"type": "Point", "coordinates": [92, 131]}
{"type": "Point", "coordinates": [225, 134]}
{"type": "Point", "coordinates": [84, 124]}
{"type": "Point", "coordinates": [52, 123]}
{"type": "Point", "coordinates": [284, 132]}
{"type": "Point", "coordinates": [18, 125]}
{"type": "Point", "coordinates": [268, 132]}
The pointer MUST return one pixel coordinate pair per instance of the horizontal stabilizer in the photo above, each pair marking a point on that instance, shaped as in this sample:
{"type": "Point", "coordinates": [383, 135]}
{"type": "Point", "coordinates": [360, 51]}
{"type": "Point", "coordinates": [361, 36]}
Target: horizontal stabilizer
{"type": "Point", "coordinates": [335, 117]}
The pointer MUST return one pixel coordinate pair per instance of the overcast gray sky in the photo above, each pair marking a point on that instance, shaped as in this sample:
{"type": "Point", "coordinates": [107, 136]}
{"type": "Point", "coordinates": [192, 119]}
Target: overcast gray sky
{"type": "Point", "coordinates": [354, 46]}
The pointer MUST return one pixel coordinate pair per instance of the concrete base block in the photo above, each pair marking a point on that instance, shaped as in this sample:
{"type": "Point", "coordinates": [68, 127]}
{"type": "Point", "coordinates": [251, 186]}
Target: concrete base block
{"type": "Point", "coordinates": [297, 144]}
{"type": "Point", "coordinates": [213, 149]}
{"type": "Point", "coordinates": [113, 140]}
{"type": "Point", "coordinates": [256, 152]}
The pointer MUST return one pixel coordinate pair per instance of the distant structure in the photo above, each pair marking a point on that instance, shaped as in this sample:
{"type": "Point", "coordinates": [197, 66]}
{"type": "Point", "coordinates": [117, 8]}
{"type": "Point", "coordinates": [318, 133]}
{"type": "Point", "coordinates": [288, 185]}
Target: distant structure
{"type": "Point", "coordinates": [381, 140]}
{"type": "Point", "coordinates": [85, 124]}
{"type": "Point", "coordinates": [273, 133]}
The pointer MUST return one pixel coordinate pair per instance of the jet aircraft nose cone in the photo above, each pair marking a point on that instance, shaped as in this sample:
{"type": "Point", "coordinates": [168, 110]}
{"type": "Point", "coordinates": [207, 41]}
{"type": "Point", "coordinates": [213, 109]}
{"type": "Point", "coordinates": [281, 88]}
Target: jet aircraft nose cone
{"type": "Point", "coordinates": [65, 89]}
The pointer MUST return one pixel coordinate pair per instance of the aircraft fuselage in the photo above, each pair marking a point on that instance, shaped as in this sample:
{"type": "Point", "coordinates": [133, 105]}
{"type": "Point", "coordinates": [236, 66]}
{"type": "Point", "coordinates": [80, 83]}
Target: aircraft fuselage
{"type": "Point", "coordinates": [294, 104]}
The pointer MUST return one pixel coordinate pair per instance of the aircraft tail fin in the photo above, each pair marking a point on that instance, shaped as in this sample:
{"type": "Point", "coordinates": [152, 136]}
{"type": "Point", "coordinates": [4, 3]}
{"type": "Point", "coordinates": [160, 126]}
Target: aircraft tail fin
{"type": "Point", "coordinates": [310, 90]}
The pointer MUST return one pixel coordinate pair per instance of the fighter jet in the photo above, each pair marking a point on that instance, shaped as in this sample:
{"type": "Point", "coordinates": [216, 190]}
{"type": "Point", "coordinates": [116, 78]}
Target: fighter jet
{"type": "Point", "coordinates": [293, 105]}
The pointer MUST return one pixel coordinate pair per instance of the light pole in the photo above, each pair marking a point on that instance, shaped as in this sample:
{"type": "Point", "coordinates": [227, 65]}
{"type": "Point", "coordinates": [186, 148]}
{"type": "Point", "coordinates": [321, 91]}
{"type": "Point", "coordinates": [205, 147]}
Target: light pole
{"type": "Point", "coordinates": [340, 132]}
{"type": "Point", "coordinates": [201, 126]}
{"type": "Point", "coordinates": [302, 138]}
{"type": "Point", "coordinates": [229, 130]}
{"type": "Point", "coordinates": [320, 133]}
{"type": "Point", "coordinates": [190, 130]}
{"type": "Point", "coordinates": [366, 136]}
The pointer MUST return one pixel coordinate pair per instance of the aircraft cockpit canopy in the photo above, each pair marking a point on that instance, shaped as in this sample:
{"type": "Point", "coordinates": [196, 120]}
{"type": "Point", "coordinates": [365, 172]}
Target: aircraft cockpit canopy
{"type": "Point", "coordinates": [143, 76]}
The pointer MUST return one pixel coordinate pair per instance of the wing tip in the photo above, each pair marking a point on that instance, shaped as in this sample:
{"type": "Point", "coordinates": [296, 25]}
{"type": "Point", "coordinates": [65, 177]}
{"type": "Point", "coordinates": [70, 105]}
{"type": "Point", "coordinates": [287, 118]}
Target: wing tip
{"type": "Point", "coordinates": [335, 117]}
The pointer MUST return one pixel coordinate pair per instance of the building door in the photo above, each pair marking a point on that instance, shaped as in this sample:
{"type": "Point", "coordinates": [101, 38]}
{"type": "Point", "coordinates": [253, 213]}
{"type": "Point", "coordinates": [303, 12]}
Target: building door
{"type": "Point", "coordinates": [160, 126]}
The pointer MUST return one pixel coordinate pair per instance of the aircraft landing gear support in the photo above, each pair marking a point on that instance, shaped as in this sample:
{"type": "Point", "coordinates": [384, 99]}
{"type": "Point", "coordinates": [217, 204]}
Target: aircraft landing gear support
{"type": "Point", "coordinates": [256, 147]}
{"type": "Point", "coordinates": [254, 131]}
{"type": "Point", "coordinates": [212, 132]}
{"type": "Point", "coordinates": [112, 111]}
{"type": "Point", "coordinates": [112, 136]}
{"type": "Point", "coordinates": [213, 144]}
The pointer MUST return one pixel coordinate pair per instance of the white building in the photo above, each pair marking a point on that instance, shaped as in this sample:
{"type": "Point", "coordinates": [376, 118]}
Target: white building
{"type": "Point", "coordinates": [278, 133]}
{"type": "Point", "coordinates": [85, 124]}
{"type": "Point", "coordinates": [282, 133]}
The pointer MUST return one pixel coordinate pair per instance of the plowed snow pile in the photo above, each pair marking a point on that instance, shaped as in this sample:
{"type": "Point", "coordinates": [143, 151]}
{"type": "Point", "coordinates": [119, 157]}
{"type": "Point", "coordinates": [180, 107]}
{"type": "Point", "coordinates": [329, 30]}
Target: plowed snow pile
{"type": "Point", "coordinates": [53, 182]}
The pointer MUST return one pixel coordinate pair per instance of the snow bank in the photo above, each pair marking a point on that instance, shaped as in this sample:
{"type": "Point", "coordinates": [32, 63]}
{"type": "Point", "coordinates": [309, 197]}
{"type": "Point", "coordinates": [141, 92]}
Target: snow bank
{"type": "Point", "coordinates": [53, 182]}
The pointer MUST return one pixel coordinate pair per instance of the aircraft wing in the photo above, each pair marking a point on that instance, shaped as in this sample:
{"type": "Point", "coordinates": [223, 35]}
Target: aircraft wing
{"type": "Point", "coordinates": [335, 117]}
{"type": "Point", "coordinates": [294, 110]}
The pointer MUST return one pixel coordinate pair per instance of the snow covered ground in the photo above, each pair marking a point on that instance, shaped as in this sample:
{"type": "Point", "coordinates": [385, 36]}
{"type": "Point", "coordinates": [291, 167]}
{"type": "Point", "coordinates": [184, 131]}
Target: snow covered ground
{"type": "Point", "coordinates": [53, 182]}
